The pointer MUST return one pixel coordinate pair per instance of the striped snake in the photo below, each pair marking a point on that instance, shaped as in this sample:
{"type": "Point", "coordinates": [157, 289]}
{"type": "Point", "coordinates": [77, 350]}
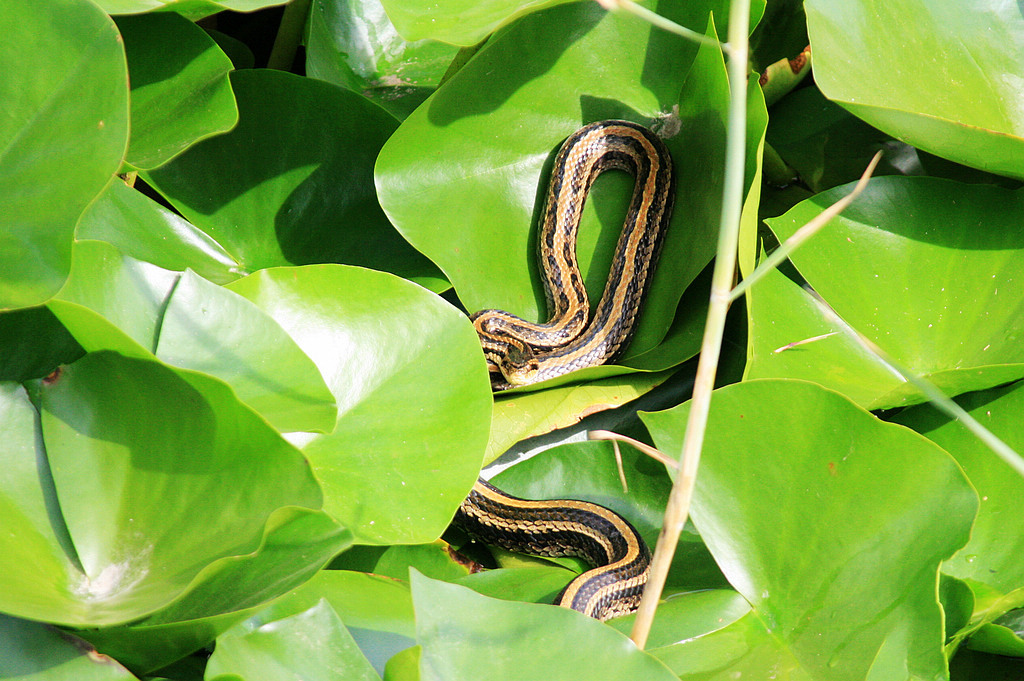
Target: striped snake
{"type": "Point", "coordinates": [520, 352]}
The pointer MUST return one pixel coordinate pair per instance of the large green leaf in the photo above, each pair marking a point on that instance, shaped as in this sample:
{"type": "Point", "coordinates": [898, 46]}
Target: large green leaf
{"type": "Point", "coordinates": [831, 523]}
{"type": "Point", "coordinates": [141, 228]}
{"type": "Point", "coordinates": [62, 136]}
{"type": "Point", "coordinates": [113, 302]}
{"type": "Point", "coordinates": [313, 645]}
{"type": "Point", "coordinates": [404, 367]}
{"type": "Point", "coordinates": [180, 91]}
{"type": "Point", "coordinates": [943, 76]}
{"type": "Point", "coordinates": [992, 557]}
{"type": "Point", "coordinates": [104, 496]}
{"type": "Point", "coordinates": [498, 122]}
{"type": "Point", "coordinates": [207, 328]}
{"type": "Point", "coordinates": [935, 284]}
{"type": "Point", "coordinates": [376, 610]}
{"type": "Point", "coordinates": [296, 545]}
{"type": "Point", "coordinates": [355, 45]}
{"type": "Point", "coordinates": [35, 652]}
{"type": "Point", "coordinates": [464, 634]}
{"type": "Point", "coordinates": [304, 192]}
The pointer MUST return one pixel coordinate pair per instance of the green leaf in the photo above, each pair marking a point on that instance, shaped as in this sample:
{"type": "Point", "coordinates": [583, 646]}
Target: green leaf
{"type": "Point", "coordinates": [179, 87]}
{"type": "Point", "coordinates": [113, 302]}
{"type": "Point", "coordinates": [377, 610]}
{"type": "Point", "coordinates": [118, 303]}
{"type": "Point", "coordinates": [463, 22]}
{"type": "Point", "coordinates": [107, 529]}
{"type": "Point", "coordinates": [404, 366]}
{"type": "Point", "coordinates": [934, 285]}
{"type": "Point", "coordinates": [65, 113]}
{"type": "Point", "coordinates": [463, 634]}
{"type": "Point", "coordinates": [355, 45]}
{"type": "Point", "coordinates": [210, 329]}
{"type": "Point", "coordinates": [313, 645]}
{"type": "Point", "coordinates": [992, 556]}
{"type": "Point", "coordinates": [141, 228]}
{"type": "Point", "coordinates": [305, 193]}
{"type": "Point", "coordinates": [193, 9]}
{"type": "Point", "coordinates": [946, 82]}
{"type": "Point", "coordinates": [831, 523]}
{"type": "Point", "coordinates": [36, 652]}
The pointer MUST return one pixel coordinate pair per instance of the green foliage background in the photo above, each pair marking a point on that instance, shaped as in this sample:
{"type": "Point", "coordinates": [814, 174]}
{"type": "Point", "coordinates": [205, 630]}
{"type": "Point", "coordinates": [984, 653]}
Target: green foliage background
{"type": "Point", "coordinates": [240, 399]}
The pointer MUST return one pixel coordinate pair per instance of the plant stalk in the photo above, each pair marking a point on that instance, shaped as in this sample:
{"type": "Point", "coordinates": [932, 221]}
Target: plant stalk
{"type": "Point", "coordinates": [289, 35]}
{"type": "Point", "coordinates": [678, 508]}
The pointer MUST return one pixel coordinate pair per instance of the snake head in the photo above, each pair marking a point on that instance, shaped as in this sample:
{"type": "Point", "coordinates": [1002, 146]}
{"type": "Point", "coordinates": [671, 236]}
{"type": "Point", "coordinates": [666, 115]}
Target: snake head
{"type": "Point", "coordinates": [519, 365]}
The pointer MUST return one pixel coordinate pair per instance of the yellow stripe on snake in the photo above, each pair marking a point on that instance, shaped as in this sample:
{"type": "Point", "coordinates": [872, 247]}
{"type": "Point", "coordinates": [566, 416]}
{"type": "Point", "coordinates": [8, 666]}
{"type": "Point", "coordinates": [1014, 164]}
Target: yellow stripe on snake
{"type": "Point", "coordinates": [520, 352]}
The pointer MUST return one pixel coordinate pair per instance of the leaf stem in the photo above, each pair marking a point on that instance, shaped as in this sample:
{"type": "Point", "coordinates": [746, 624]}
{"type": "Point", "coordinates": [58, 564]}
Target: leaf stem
{"type": "Point", "coordinates": [289, 35]}
{"type": "Point", "coordinates": [678, 507]}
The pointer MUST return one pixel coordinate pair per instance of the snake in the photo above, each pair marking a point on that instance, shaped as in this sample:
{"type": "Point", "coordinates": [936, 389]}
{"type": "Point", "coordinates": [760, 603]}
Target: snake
{"type": "Point", "coordinates": [520, 352]}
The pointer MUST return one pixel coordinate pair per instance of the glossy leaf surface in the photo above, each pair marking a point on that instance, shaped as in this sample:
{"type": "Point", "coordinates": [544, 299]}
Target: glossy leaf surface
{"type": "Point", "coordinates": [65, 104]}
{"type": "Point", "coordinates": [177, 100]}
{"type": "Point", "coordinates": [936, 286]}
{"type": "Point", "coordinates": [387, 349]}
{"type": "Point", "coordinates": [458, 631]}
{"type": "Point", "coordinates": [947, 82]}
{"type": "Point", "coordinates": [800, 495]}
{"type": "Point", "coordinates": [305, 194]}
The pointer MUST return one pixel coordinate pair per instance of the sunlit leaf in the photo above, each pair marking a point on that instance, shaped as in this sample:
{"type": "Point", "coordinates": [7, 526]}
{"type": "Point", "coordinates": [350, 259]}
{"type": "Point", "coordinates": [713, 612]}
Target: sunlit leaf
{"type": "Point", "coordinates": [947, 82]}
{"type": "Point", "coordinates": [831, 523]}
{"type": "Point", "coordinates": [65, 110]}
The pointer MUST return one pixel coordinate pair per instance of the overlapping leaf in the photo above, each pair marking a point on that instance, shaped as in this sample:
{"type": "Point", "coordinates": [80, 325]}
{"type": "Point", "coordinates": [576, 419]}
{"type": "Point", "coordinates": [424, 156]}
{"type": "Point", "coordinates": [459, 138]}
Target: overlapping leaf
{"type": "Point", "coordinates": [403, 365]}
{"type": "Point", "coordinates": [312, 645]}
{"type": "Point", "coordinates": [108, 528]}
{"type": "Point", "coordinates": [463, 633]}
{"type": "Point", "coordinates": [113, 302]}
{"type": "Point", "coordinates": [355, 45]}
{"type": "Point", "coordinates": [179, 87]}
{"type": "Point", "coordinates": [934, 283]}
{"type": "Point", "coordinates": [65, 109]}
{"type": "Point", "coordinates": [33, 651]}
{"type": "Point", "coordinates": [305, 193]}
{"type": "Point", "coordinates": [947, 82]}
{"type": "Point", "coordinates": [141, 228]}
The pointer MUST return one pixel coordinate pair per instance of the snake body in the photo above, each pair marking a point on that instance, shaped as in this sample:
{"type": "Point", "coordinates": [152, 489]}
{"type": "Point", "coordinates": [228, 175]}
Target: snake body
{"type": "Point", "coordinates": [520, 352]}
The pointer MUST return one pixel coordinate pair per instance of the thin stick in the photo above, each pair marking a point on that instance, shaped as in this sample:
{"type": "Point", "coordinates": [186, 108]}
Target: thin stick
{"type": "Point", "coordinates": [635, 444]}
{"type": "Point", "coordinates": [804, 233]}
{"type": "Point", "coordinates": [661, 22]}
{"type": "Point", "coordinates": [678, 507]}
